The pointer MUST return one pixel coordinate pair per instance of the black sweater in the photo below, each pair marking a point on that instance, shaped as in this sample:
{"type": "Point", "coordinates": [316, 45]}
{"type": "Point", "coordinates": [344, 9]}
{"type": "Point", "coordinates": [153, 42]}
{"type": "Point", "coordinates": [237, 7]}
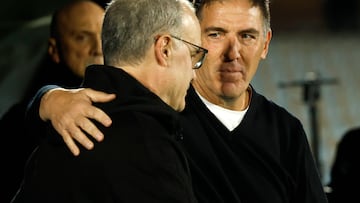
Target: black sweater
{"type": "Point", "coordinates": [266, 159]}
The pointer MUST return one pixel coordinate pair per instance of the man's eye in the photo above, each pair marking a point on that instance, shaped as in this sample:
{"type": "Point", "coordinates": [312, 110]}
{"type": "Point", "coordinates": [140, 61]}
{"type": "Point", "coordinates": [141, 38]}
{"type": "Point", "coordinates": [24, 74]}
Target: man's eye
{"type": "Point", "coordinates": [214, 35]}
{"type": "Point", "coordinates": [82, 38]}
{"type": "Point", "coordinates": [248, 36]}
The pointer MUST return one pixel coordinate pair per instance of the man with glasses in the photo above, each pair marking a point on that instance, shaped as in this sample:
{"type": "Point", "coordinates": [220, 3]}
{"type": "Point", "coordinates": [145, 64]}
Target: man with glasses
{"type": "Point", "coordinates": [142, 159]}
{"type": "Point", "coordinates": [241, 146]}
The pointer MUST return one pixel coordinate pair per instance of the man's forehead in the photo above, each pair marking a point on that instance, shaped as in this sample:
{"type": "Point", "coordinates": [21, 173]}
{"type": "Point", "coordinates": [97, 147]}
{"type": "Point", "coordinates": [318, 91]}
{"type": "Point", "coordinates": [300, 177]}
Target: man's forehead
{"type": "Point", "coordinates": [232, 17]}
{"type": "Point", "coordinates": [231, 10]}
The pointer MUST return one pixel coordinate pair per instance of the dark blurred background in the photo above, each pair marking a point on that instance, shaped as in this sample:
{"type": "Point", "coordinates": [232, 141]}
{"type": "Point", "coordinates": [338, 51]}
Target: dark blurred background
{"type": "Point", "coordinates": [313, 40]}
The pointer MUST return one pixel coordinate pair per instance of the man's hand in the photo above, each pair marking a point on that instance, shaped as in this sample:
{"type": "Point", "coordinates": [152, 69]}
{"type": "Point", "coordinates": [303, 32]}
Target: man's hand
{"type": "Point", "coordinates": [70, 112]}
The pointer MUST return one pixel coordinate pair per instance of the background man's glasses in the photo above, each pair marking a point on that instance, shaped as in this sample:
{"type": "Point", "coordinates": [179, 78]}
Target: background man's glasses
{"type": "Point", "coordinates": [197, 55]}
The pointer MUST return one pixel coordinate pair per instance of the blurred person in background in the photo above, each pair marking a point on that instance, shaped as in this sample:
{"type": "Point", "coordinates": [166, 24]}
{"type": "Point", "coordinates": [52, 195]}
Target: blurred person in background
{"type": "Point", "coordinates": [345, 172]}
{"type": "Point", "coordinates": [74, 43]}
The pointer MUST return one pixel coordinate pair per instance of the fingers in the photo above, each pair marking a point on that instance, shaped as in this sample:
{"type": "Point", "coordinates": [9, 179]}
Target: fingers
{"type": "Point", "coordinates": [89, 127]}
{"type": "Point", "coordinates": [70, 133]}
{"type": "Point", "coordinates": [94, 112]}
{"type": "Point", "coordinates": [71, 145]}
{"type": "Point", "coordinates": [98, 96]}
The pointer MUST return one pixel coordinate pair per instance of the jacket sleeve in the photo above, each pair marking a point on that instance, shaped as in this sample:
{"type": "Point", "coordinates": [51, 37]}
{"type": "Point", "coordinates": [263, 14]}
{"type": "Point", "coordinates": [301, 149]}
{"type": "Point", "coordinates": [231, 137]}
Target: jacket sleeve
{"type": "Point", "coordinates": [33, 123]}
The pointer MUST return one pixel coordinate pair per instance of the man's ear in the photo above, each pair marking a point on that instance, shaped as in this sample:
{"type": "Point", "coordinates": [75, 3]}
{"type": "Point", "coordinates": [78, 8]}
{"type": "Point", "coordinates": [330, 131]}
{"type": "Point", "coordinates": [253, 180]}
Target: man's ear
{"type": "Point", "coordinates": [162, 49]}
{"type": "Point", "coordinates": [267, 43]}
{"type": "Point", "coordinates": [53, 50]}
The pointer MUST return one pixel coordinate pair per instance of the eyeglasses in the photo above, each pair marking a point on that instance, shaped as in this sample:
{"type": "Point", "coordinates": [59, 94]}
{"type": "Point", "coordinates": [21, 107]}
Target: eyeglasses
{"type": "Point", "coordinates": [198, 56]}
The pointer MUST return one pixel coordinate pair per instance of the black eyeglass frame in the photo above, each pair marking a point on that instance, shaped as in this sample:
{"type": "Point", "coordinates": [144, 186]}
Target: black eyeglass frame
{"type": "Point", "coordinates": [199, 49]}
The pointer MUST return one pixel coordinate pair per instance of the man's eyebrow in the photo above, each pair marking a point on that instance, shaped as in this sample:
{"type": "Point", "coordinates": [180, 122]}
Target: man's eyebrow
{"type": "Point", "coordinates": [250, 30]}
{"type": "Point", "coordinates": [213, 28]}
{"type": "Point", "coordinates": [219, 29]}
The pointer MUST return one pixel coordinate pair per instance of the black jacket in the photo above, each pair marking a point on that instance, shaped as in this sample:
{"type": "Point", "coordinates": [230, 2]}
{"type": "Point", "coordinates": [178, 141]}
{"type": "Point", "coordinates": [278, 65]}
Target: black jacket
{"type": "Point", "coordinates": [140, 160]}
